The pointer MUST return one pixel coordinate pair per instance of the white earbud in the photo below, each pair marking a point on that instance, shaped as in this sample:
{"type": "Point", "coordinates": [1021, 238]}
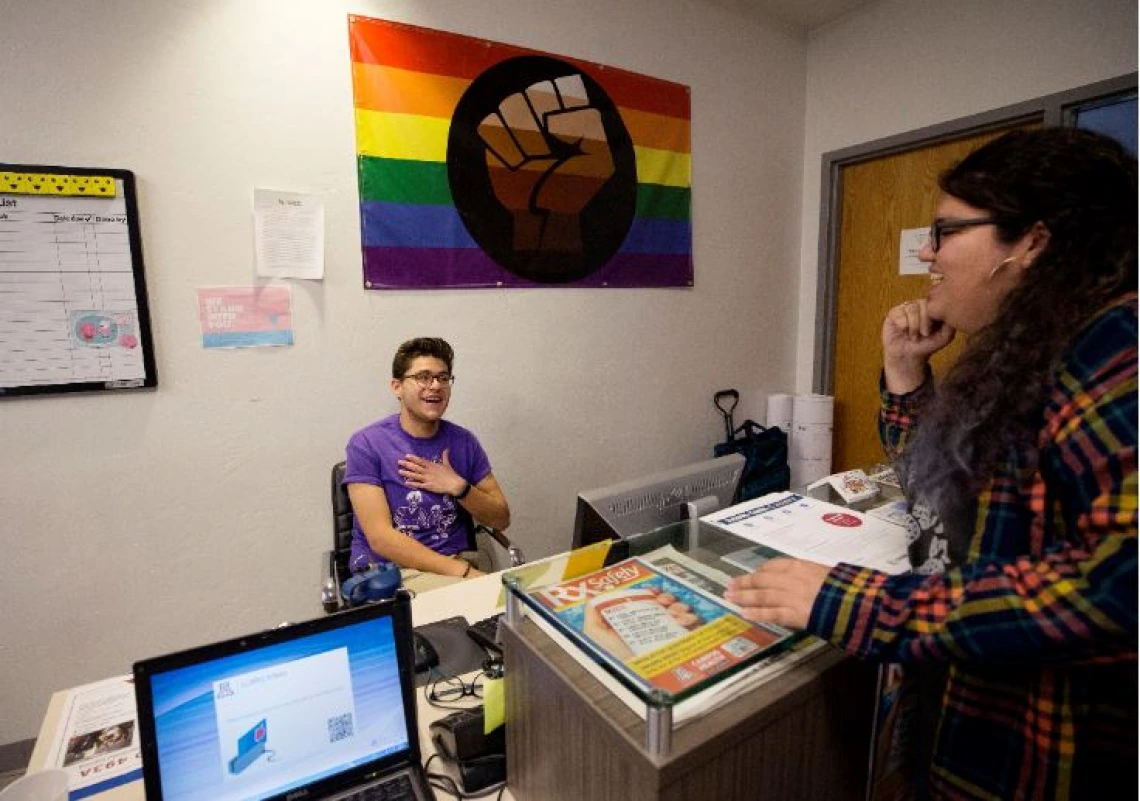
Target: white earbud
{"type": "Point", "coordinates": [993, 272]}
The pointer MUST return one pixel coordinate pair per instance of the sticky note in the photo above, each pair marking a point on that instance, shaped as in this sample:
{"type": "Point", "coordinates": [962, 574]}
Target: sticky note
{"type": "Point", "coordinates": [494, 704]}
{"type": "Point", "coordinates": [587, 559]}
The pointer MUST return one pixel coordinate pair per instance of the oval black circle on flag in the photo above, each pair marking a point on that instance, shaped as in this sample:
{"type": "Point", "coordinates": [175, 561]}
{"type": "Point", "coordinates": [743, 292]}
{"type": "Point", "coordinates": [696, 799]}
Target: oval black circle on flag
{"type": "Point", "coordinates": [541, 169]}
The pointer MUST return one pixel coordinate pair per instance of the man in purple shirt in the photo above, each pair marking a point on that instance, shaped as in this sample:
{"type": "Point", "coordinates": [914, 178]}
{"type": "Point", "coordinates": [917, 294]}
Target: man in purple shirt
{"type": "Point", "coordinates": [416, 481]}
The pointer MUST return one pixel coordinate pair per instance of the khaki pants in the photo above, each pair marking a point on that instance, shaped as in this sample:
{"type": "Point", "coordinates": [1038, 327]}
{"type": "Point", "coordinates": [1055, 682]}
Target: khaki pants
{"type": "Point", "coordinates": [482, 559]}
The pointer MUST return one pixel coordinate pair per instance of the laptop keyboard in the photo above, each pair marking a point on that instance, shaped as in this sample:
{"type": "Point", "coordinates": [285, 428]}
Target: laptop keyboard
{"type": "Point", "coordinates": [398, 788]}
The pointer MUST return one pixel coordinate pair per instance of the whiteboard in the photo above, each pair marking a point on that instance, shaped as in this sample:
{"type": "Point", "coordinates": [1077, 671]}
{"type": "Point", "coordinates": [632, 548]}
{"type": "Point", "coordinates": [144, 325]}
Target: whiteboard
{"type": "Point", "coordinates": [73, 303]}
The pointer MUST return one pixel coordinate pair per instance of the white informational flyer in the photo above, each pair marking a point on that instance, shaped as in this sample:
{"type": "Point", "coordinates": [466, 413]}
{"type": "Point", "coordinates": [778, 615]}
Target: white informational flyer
{"type": "Point", "coordinates": [911, 241]}
{"type": "Point", "coordinates": [289, 232]}
{"type": "Point", "coordinates": [97, 740]}
{"type": "Point", "coordinates": [805, 528]}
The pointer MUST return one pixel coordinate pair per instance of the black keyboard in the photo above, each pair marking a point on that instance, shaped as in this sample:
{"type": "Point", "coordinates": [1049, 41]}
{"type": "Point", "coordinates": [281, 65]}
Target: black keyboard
{"type": "Point", "coordinates": [486, 633]}
{"type": "Point", "coordinates": [397, 788]}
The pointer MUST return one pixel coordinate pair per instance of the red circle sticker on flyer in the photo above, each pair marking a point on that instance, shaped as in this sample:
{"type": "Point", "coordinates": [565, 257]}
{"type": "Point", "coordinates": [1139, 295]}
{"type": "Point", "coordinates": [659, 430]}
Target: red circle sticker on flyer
{"type": "Point", "coordinates": [842, 519]}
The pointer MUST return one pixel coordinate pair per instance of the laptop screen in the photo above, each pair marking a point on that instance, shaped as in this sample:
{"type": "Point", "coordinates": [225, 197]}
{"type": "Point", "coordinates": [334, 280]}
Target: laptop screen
{"type": "Point", "coordinates": [266, 715]}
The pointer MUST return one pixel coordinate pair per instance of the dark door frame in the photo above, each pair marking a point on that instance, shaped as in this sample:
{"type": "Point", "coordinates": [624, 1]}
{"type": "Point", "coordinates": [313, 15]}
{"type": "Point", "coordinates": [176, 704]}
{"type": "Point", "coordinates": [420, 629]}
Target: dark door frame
{"type": "Point", "coordinates": [1051, 110]}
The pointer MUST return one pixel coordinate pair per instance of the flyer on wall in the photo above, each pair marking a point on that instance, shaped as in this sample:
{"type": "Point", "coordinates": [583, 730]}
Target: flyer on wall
{"type": "Point", "coordinates": [96, 740]}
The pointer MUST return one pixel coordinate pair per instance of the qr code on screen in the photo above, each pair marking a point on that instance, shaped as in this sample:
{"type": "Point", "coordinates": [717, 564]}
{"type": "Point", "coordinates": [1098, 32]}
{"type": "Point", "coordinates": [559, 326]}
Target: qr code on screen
{"type": "Point", "coordinates": [340, 727]}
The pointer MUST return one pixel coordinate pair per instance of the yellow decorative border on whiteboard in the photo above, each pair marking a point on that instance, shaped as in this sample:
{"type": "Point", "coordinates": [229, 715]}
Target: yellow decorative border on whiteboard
{"type": "Point", "coordinates": [35, 183]}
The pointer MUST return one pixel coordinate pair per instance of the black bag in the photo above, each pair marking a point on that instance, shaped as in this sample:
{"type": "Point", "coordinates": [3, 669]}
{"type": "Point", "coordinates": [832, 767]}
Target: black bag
{"type": "Point", "coordinates": [765, 452]}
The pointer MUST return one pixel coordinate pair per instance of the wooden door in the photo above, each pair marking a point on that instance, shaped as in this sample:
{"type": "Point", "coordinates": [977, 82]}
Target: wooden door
{"type": "Point", "coordinates": [880, 197]}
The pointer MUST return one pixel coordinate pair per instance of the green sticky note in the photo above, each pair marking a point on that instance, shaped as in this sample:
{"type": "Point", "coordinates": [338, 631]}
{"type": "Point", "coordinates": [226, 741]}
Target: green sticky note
{"type": "Point", "coordinates": [494, 705]}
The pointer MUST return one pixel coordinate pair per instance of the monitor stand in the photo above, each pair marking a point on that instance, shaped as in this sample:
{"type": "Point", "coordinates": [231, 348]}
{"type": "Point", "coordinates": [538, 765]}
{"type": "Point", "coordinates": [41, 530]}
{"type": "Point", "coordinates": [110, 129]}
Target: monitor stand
{"type": "Point", "coordinates": [693, 511]}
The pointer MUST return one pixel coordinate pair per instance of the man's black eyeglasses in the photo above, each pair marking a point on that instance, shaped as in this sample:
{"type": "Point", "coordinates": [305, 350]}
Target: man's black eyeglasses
{"type": "Point", "coordinates": [939, 227]}
{"type": "Point", "coordinates": [425, 379]}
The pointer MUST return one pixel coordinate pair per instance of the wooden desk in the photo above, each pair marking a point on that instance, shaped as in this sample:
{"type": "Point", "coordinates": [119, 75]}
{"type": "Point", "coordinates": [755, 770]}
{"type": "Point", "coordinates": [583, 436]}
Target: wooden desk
{"type": "Point", "coordinates": [803, 734]}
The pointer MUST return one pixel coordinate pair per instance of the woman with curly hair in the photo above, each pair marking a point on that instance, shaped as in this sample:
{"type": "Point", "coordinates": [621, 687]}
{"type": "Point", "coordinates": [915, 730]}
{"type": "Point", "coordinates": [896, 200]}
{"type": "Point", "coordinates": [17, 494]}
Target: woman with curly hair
{"type": "Point", "coordinates": [1020, 470]}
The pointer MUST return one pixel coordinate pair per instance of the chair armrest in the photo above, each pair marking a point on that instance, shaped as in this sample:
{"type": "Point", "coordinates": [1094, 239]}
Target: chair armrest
{"type": "Point", "coordinates": [514, 554]}
{"type": "Point", "coordinates": [330, 585]}
{"type": "Point", "coordinates": [496, 535]}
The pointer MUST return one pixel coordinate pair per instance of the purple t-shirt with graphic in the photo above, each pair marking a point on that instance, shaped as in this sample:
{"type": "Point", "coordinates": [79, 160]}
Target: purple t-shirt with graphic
{"type": "Point", "coordinates": [432, 519]}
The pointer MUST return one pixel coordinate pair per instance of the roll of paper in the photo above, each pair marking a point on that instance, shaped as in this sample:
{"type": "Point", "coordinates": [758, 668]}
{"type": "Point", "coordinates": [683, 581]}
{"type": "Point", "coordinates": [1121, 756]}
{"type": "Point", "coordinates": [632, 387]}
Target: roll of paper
{"type": "Point", "coordinates": [809, 446]}
{"type": "Point", "coordinates": [779, 414]}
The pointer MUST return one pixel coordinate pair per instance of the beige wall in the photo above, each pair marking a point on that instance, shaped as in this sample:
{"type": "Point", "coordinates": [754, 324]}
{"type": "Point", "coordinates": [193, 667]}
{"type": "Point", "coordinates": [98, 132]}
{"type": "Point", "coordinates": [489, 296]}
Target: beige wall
{"type": "Point", "coordinates": [138, 523]}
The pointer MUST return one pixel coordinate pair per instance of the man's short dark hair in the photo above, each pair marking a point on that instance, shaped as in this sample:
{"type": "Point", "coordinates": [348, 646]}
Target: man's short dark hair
{"type": "Point", "coordinates": [411, 350]}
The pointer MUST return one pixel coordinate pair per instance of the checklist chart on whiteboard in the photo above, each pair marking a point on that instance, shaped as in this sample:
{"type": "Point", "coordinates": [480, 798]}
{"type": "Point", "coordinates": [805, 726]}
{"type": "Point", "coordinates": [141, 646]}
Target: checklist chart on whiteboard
{"type": "Point", "coordinates": [73, 313]}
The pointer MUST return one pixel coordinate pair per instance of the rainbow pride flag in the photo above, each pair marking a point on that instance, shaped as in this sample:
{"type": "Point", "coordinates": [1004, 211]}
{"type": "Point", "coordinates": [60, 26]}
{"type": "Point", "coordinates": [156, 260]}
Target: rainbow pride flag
{"type": "Point", "coordinates": [447, 199]}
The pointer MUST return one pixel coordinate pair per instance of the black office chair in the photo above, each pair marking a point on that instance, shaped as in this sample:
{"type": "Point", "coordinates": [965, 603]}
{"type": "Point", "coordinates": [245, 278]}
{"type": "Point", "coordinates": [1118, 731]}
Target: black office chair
{"type": "Point", "coordinates": [334, 563]}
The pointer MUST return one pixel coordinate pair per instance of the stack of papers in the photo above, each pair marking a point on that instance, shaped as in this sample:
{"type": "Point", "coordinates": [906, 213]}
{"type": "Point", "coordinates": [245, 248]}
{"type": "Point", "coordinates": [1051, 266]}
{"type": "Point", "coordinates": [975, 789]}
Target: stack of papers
{"type": "Point", "coordinates": [787, 524]}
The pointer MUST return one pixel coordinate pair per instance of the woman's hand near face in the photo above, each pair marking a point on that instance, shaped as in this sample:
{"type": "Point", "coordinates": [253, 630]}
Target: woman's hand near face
{"type": "Point", "coordinates": [910, 337]}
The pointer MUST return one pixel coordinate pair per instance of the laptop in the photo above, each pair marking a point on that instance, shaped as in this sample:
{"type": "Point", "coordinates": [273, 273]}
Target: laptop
{"type": "Point", "coordinates": [318, 710]}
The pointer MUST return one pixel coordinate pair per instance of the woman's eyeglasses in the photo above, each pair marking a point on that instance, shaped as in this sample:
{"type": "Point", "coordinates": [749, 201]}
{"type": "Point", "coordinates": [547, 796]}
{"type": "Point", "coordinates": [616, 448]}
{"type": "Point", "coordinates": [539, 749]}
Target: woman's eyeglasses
{"type": "Point", "coordinates": [939, 227]}
{"type": "Point", "coordinates": [425, 379]}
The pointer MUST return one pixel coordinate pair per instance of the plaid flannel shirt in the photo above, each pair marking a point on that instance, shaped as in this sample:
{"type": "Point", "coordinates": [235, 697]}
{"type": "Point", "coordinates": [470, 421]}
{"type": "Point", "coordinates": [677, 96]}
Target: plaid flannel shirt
{"type": "Point", "coordinates": [1039, 626]}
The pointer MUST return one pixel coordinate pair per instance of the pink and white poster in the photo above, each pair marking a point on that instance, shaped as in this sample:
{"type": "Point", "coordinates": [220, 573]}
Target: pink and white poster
{"type": "Point", "coordinates": [245, 316]}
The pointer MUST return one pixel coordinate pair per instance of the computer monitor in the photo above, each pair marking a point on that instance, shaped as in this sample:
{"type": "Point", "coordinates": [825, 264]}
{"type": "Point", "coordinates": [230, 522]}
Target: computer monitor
{"type": "Point", "coordinates": [645, 504]}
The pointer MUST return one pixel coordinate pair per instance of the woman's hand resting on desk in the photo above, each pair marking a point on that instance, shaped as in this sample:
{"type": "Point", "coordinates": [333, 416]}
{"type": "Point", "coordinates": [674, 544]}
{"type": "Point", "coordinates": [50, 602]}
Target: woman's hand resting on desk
{"type": "Point", "coordinates": [780, 591]}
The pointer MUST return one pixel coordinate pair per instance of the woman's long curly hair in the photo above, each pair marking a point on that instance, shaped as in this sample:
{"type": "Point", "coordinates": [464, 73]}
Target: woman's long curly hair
{"type": "Point", "coordinates": [1082, 187]}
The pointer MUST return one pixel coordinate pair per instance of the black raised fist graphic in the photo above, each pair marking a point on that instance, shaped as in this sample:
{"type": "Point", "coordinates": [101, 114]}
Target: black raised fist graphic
{"type": "Point", "coordinates": [547, 156]}
{"type": "Point", "coordinates": [542, 169]}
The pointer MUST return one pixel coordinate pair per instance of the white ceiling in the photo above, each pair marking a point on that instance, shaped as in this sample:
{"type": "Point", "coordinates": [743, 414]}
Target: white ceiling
{"type": "Point", "coordinates": [805, 14]}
